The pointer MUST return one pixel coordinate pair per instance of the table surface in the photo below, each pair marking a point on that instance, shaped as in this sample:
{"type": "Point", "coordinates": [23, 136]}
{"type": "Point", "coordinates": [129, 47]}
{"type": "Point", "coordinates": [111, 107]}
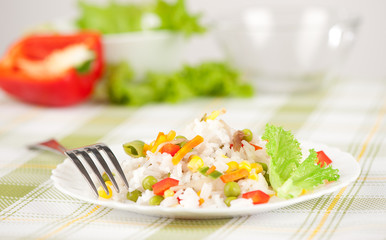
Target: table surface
{"type": "Point", "coordinates": [349, 114]}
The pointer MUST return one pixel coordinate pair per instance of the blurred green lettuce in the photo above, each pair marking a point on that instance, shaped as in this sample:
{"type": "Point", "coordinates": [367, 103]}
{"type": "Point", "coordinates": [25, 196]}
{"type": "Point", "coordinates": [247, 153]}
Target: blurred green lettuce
{"type": "Point", "coordinates": [206, 79]}
{"type": "Point", "coordinates": [117, 17]}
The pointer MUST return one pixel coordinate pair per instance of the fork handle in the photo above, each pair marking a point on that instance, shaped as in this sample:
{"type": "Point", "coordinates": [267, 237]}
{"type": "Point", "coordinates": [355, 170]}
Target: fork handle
{"type": "Point", "coordinates": [51, 145]}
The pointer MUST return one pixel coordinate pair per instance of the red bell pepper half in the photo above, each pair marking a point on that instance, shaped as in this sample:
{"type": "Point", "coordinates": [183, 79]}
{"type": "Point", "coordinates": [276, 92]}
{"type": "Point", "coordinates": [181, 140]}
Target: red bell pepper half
{"type": "Point", "coordinates": [323, 159]}
{"type": "Point", "coordinates": [160, 187]}
{"type": "Point", "coordinates": [53, 69]}
{"type": "Point", "coordinates": [257, 196]}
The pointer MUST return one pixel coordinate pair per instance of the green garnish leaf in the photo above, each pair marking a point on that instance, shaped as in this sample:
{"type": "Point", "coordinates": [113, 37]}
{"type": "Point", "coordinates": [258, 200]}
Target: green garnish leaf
{"type": "Point", "coordinates": [285, 154]}
{"type": "Point", "coordinates": [287, 176]}
{"type": "Point", "coordinates": [307, 177]}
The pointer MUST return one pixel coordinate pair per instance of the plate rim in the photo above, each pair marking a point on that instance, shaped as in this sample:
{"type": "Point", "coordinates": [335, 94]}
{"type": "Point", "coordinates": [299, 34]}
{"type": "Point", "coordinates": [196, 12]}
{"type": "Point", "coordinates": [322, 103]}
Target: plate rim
{"type": "Point", "coordinates": [208, 213]}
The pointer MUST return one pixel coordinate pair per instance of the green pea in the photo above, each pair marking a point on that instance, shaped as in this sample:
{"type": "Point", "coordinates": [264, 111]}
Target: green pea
{"type": "Point", "coordinates": [148, 182]}
{"type": "Point", "coordinates": [228, 200]}
{"type": "Point", "coordinates": [181, 137]}
{"type": "Point", "coordinates": [232, 189]}
{"type": "Point", "coordinates": [248, 136]}
{"type": "Point", "coordinates": [156, 200]}
{"type": "Point", "coordinates": [134, 195]}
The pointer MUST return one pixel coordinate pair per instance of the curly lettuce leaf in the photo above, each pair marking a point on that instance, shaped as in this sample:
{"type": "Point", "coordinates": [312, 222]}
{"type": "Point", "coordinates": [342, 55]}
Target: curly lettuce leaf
{"type": "Point", "coordinates": [285, 154]}
{"type": "Point", "coordinates": [287, 174]}
{"type": "Point", "coordinates": [307, 176]}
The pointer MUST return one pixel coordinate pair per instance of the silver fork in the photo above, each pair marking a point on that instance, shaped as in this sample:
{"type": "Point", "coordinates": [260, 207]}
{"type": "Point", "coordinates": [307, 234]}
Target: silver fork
{"type": "Point", "coordinates": [95, 149]}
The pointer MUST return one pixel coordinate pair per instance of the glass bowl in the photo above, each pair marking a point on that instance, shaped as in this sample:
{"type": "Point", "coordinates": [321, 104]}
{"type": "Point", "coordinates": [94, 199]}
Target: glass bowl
{"type": "Point", "coordinates": [287, 49]}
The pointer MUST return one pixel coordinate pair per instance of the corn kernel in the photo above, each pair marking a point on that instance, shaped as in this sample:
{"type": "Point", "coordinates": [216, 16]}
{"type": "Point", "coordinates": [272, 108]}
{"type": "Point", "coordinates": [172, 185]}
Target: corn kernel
{"type": "Point", "coordinates": [195, 163]}
{"type": "Point", "coordinates": [215, 114]}
{"type": "Point", "coordinates": [303, 192]}
{"type": "Point", "coordinates": [224, 156]}
{"type": "Point", "coordinates": [168, 193]}
{"type": "Point", "coordinates": [232, 166]}
{"type": "Point", "coordinates": [253, 176]}
{"type": "Point", "coordinates": [246, 165]}
{"type": "Point", "coordinates": [102, 192]}
{"type": "Point", "coordinates": [257, 166]}
{"type": "Point", "coordinates": [171, 135]}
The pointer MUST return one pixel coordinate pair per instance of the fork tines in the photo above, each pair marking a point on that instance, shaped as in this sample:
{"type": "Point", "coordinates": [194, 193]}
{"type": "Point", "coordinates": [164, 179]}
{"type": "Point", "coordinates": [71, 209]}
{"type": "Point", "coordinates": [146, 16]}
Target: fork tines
{"type": "Point", "coordinates": [95, 150]}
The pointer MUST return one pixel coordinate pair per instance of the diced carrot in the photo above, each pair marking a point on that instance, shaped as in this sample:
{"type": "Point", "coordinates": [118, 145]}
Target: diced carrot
{"type": "Point", "coordinates": [235, 175]}
{"type": "Point", "coordinates": [186, 148]}
{"type": "Point", "coordinates": [257, 196]}
{"type": "Point", "coordinates": [210, 170]}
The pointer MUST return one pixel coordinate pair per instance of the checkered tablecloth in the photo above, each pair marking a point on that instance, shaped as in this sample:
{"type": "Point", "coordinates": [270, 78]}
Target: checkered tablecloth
{"type": "Point", "coordinates": [350, 115]}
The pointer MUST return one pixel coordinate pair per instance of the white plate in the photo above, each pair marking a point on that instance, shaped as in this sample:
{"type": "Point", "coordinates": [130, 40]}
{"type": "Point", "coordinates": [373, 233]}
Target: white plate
{"type": "Point", "coordinates": [68, 179]}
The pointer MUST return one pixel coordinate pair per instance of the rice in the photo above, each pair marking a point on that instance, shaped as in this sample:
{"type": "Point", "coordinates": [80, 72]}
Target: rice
{"type": "Point", "coordinates": [196, 190]}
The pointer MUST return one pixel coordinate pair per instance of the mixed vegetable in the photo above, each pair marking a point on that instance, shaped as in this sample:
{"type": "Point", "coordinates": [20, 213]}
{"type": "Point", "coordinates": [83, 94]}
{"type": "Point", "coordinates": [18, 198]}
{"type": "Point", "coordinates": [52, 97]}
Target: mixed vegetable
{"type": "Point", "coordinates": [287, 175]}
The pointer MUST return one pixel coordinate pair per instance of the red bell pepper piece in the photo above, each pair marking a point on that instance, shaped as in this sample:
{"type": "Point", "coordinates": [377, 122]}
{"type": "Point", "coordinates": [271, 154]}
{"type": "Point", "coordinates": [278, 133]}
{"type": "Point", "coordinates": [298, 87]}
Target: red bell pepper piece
{"type": "Point", "coordinates": [160, 187]}
{"type": "Point", "coordinates": [255, 146]}
{"type": "Point", "coordinates": [28, 71]}
{"type": "Point", "coordinates": [170, 148]}
{"type": "Point", "coordinates": [323, 159]}
{"type": "Point", "coordinates": [257, 196]}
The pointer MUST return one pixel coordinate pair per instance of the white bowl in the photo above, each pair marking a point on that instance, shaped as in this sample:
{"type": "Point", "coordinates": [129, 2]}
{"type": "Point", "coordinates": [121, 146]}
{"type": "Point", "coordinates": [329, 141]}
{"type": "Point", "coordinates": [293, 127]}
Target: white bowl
{"type": "Point", "coordinates": [155, 51]}
{"type": "Point", "coordinates": [286, 48]}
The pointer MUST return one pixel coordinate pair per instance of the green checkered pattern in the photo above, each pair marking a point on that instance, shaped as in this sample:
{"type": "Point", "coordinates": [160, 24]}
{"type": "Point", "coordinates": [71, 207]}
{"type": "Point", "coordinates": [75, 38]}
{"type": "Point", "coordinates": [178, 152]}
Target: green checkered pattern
{"type": "Point", "coordinates": [350, 115]}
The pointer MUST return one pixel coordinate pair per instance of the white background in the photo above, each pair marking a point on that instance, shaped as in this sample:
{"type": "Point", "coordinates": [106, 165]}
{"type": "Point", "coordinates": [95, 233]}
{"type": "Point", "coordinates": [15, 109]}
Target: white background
{"type": "Point", "coordinates": [367, 60]}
